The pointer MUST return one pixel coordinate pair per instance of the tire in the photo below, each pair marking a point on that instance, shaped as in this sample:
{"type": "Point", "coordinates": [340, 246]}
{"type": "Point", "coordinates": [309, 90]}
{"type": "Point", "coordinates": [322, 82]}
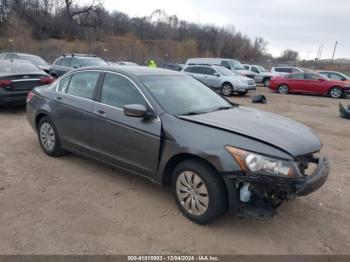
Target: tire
{"type": "Point", "coordinates": [283, 89]}
{"type": "Point", "coordinates": [199, 192]}
{"type": "Point", "coordinates": [336, 92]}
{"type": "Point", "coordinates": [227, 89]}
{"type": "Point", "coordinates": [266, 82]}
{"type": "Point", "coordinates": [48, 138]}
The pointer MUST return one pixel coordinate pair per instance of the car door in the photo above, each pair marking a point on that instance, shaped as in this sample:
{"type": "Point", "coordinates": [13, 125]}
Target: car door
{"type": "Point", "coordinates": [210, 78]}
{"type": "Point", "coordinates": [315, 83]}
{"type": "Point", "coordinates": [128, 142]}
{"type": "Point", "coordinates": [296, 82]}
{"type": "Point", "coordinates": [73, 109]}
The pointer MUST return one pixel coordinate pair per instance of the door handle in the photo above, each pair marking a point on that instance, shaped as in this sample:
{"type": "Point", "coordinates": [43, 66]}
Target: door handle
{"type": "Point", "coordinates": [100, 113]}
{"type": "Point", "coordinates": [59, 98]}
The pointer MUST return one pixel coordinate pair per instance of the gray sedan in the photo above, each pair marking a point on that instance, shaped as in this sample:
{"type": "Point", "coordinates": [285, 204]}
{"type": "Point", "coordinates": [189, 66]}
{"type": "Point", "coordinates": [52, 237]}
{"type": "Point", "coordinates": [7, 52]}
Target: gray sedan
{"type": "Point", "coordinates": [221, 79]}
{"type": "Point", "coordinates": [175, 131]}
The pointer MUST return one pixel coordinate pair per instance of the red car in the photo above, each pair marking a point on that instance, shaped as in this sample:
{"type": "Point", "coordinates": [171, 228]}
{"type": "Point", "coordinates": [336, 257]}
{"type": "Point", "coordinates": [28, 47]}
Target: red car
{"type": "Point", "coordinates": [309, 83]}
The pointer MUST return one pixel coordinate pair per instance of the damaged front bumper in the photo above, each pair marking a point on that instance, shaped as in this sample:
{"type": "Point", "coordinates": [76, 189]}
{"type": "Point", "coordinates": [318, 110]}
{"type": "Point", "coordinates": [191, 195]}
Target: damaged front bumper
{"type": "Point", "coordinates": [258, 196]}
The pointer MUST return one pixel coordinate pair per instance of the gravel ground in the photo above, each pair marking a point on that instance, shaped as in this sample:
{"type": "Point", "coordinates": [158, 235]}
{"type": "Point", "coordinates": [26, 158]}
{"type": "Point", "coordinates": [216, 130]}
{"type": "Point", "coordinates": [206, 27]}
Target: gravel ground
{"type": "Point", "coordinates": [70, 205]}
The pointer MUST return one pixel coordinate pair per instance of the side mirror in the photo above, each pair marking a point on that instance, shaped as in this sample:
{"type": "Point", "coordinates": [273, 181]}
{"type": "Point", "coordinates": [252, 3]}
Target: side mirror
{"type": "Point", "coordinates": [216, 74]}
{"type": "Point", "coordinates": [321, 79]}
{"type": "Point", "coordinates": [76, 66]}
{"type": "Point", "coordinates": [136, 110]}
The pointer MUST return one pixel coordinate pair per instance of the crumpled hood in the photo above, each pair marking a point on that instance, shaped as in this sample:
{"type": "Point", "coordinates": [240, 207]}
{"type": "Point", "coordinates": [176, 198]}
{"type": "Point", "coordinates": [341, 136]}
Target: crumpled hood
{"type": "Point", "coordinates": [283, 133]}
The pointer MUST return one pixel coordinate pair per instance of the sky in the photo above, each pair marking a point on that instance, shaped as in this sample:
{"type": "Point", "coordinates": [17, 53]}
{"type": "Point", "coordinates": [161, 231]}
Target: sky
{"type": "Point", "coordinates": [301, 25]}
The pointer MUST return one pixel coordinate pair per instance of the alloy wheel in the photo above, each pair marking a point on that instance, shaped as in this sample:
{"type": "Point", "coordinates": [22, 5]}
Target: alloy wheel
{"type": "Point", "coordinates": [227, 90]}
{"type": "Point", "coordinates": [47, 136]}
{"type": "Point", "coordinates": [192, 193]}
{"type": "Point", "coordinates": [336, 92]}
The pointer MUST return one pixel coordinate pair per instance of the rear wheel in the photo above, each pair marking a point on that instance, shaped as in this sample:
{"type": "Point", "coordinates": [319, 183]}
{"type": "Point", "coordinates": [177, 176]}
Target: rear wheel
{"type": "Point", "coordinates": [199, 192]}
{"type": "Point", "coordinates": [283, 89]}
{"type": "Point", "coordinates": [48, 138]}
{"type": "Point", "coordinates": [336, 92]}
{"type": "Point", "coordinates": [227, 89]}
{"type": "Point", "coordinates": [266, 82]}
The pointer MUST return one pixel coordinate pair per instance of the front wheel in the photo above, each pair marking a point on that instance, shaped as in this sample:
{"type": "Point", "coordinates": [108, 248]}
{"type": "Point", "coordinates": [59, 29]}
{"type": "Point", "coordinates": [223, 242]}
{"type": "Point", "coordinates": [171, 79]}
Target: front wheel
{"type": "Point", "coordinates": [199, 192]}
{"type": "Point", "coordinates": [227, 89]}
{"type": "Point", "coordinates": [336, 92]}
{"type": "Point", "coordinates": [48, 138]}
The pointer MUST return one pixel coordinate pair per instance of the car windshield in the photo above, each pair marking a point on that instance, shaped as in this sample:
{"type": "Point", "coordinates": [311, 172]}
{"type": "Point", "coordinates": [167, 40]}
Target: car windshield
{"type": "Point", "coordinates": [224, 71]}
{"type": "Point", "coordinates": [184, 95]}
{"type": "Point", "coordinates": [261, 69]}
{"type": "Point", "coordinates": [35, 59]}
{"type": "Point", "coordinates": [236, 65]}
{"type": "Point", "coordinates": [18, 68]}
{"type": "Point", "coordinates": [92, 61]}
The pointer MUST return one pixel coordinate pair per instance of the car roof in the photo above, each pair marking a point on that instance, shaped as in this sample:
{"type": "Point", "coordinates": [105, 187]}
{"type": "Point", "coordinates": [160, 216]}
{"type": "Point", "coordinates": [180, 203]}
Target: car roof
{"type": "Point", "coordinates": [135, 70]}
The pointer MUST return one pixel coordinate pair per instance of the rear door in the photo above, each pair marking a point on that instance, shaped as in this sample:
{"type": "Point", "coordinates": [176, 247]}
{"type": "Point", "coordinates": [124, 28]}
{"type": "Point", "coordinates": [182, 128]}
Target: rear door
{"type": "Point", "coordinates": [129, 142]}
{"type": "Point", "coordinates": [198, 73]}
{"type": "Point", "coordinates": [73, 110]}
{"type": "Point", "coordinates": [296, 82]}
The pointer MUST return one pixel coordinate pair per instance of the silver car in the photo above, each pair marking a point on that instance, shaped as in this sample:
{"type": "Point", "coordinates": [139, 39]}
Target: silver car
{"type": "Point", "coordinates": [261, 74]}
{"type": "Point", "coordinates": [221, 79]}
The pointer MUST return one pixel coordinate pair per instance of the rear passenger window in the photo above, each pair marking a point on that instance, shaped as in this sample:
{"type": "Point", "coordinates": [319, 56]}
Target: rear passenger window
{"type": "Point", "coordinates": [83, 84]}
{"type": "Point", "coordinates": [297, 76]}
{"type": "Point", "coordinates": [189, 70]}
{"type": "Point", "coordinates": [208, 71]}
{"type": "Point", "coordinates": [62, 86]}
{"type": "Point", "coordinates": [118, 91]}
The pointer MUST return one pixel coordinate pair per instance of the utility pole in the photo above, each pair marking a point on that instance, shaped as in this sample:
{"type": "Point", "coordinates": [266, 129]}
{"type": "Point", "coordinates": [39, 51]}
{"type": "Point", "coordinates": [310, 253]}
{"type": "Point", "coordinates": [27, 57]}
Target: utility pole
{"type": "Point", "coordinates": [335, 48]}
{"type": "Point", "coordinates": [321, 50]}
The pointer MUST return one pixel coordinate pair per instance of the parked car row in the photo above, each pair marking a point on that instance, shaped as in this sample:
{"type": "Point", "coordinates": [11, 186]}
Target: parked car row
{"type": "Point", "coordinates": [226, 76]}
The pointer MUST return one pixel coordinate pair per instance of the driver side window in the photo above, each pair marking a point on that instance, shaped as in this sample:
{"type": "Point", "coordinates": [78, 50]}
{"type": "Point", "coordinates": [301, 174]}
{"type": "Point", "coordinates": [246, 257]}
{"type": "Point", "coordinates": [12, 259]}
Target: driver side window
{"type": "Point", "coordinates": [118, 91]}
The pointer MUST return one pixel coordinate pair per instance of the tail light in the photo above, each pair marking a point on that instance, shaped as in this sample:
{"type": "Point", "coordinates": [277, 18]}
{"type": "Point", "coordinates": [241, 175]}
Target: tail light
{"type": "Point", "coordinates": [47, 80]}
{"type": "Point", "coordinates": [30, 96]}
{"type": "Point", "coordinates": [5, 83]}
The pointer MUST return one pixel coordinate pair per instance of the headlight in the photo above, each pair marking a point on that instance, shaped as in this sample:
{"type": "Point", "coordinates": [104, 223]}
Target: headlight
{"type": "Point", "coordinates": [252, 164]}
